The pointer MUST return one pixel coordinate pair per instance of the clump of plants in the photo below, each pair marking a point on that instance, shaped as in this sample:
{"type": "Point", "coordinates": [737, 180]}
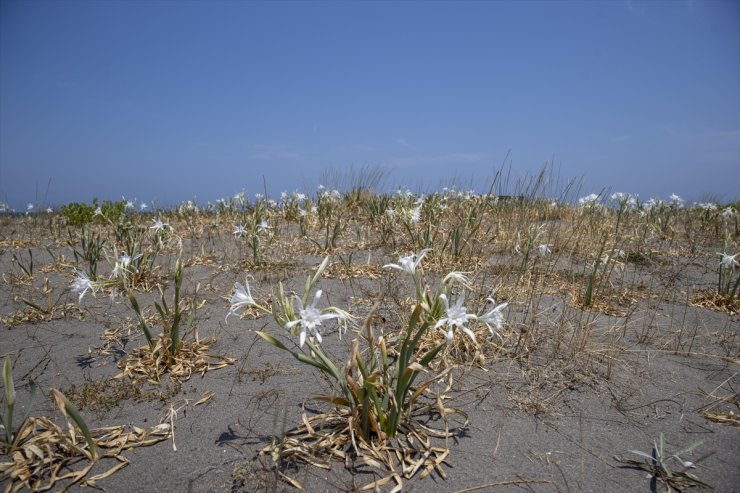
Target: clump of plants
{"type": "Point", "coordinates": [377, 392]}
{"type": "Point", "coordinates": [169, 350]}
{"type": "Point", "coordinates": [79, 213]}
{"type": "Point", "coordinates": [665, 468]}
{"type": "Point", "coordinates": [40, 455]}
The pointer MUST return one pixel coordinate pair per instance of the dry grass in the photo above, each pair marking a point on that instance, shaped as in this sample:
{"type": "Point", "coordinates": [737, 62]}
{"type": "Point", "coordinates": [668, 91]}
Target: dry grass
{"type": "Point", "coordinates": [576, 308]}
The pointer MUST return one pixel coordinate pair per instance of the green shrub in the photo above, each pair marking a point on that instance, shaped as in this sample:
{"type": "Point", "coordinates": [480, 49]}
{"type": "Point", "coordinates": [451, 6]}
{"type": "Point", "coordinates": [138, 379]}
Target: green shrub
{"type": "Point", "coordinates": [78, 213]}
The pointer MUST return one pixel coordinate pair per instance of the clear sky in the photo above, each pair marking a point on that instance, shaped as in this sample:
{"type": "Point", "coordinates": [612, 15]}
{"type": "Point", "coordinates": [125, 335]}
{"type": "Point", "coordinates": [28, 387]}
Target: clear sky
{"type": "Point", "coordinates": [175, 100]}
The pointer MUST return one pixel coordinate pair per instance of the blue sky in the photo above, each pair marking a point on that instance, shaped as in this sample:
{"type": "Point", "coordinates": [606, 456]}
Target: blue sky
{"type": "Point", "coordinates": [176, 100]}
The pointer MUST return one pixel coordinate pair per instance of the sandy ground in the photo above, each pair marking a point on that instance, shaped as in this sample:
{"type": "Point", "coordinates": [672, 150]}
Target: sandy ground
{"type": "Point", "coordinates": [539, 419]}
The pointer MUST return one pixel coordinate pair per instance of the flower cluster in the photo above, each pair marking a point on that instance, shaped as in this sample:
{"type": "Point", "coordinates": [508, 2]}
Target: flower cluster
{"type": "Point", "coordinates": [304, 319]}
{"type": "Point", "coordinates": [455, 315]}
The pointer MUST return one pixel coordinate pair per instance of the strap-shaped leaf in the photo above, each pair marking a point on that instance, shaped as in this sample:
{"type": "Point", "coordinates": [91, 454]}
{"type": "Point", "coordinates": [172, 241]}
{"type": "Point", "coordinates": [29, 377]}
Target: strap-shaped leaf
{"type": "Point", "coordinates": [9, 400]}
{"type": "Point", "coordinates": [142, 322]}
{"type": "Point", "coordinates": [70, 411]}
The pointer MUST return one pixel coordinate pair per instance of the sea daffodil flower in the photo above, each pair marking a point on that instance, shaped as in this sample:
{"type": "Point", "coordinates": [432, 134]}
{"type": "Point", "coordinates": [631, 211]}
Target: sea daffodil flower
{"type": "Point", "coordinates": [409, 263]}
{"type": "Point", "coordinates": [159, 225]}
{"type": "Point", "coordinates": [122, 264]}
{"type": "Point", "coordinates": [494, 317]}
{"type": "Point", "coordinates": [263, 226]}
{"type": "Point", "coordinates": [241, 298]}
{"type": "Point", "coordinates": [457, 317]}
{"type": "Point", "coordinates": [728, 261]}
{"type": "Point", "coordinates": [82, 284]}
{"type": "Point", "coordinates": [310, 318]}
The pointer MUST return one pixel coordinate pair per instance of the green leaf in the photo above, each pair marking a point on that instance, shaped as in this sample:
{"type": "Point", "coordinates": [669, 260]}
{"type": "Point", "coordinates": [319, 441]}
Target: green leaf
{"type": "Point", "coordinates": [9, 399]}
{"type": "Point", "coordinates": [160, 310]}
{"type": "Point", "coordinates": [69, 410]}
{"type": "Point", "coordinates": [273, 341]}
{"type": "Point", "coordinates": [34, 306]}
{"type": "Point", "coordinates": [8, 382]}
{"type": "Point", "coordinates": [142, 322]}
{"type": "Point", "coordinates": [32, 388]}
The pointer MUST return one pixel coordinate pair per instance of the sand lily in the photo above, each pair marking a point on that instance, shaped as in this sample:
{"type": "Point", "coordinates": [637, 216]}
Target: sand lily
{"type": "Point", "coordinates": [415, 215]}
{"type": "Point", "coordinates": [457, 317]}
{"type": "Point", "coordinates": [122, 264]}
{"type": "Point", "coordinates": [676, 200]}
{"type": "Point", "coordinates": [494, 317]}
{"type": "Point", "coordinates": [544, 250]}
{"type": "Point", "coordinates": [241, 298]}
{"type": "Point", "coordinates": [409, 263]}
{"type": "Point", "coordinates": [310, 318]}
{"type": "Point", "coordinates": [728, 261]}
{"type": "Point", "coordinates": [458, 277]}
{"type": "Point", "coordinates": [239, 231]}
{"type": "Point", "coordinates": [263, 226]}
{"type": "Point", "coordinates": [82, 284]}
{"type": "Point", "coordinates": [159, 225]}
{"type": "Point", "coordinates": [590, 199]}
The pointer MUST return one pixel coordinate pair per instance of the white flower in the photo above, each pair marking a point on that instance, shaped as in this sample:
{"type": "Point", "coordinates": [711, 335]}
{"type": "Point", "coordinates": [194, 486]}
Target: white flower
{"type": "Point", "coordinates": [98, 211]}
{"type": "Point", "coordinates": [676, 200]}
{"type": "Point", "coordinates": [49, 210]}
{"type": "Point", "coordinates": [458, 277]}
{"type": "Point", "coordinates": [706, 206]}
{"type": "Point", "coordinates": [29, 207]}
{"type": "Point", "coordinates": [728, 261]}
{"type": "Point", "coordinates": [409, 263]}
{"type": "Point", "coordinates": [241, 298]}
{"type": "Point", "coordinates": [494, 317]}
{"type": "Point", "coordinates": [544, 250]}
{"type": "Point", "coordinates": [129, 206]}
{"type": "Point", "coordinates": [263, 226]}
{"type": "Point", "coordinates": [143, 206]}
{"type": "Point", "coordinates": [727, 212]}
{"type": "Point", "coordinates": [159, 225]}
{"type": "Point", "coordinates": [457, 317]}
{"type": "Point", "coordinates": [311, 317]}
{"type": "Point", "coordinates": [415, 215]}
{"type": "Point", "coordinates": [239, 231]}
{"type": "Point", "coordinates": [82, 284]}
{"type": "Point", "coordinates": [650, 204]}
{"type": "Point", "coordinates": [122, 264]}
{"type": "Point", "coordinates": [588, 199]}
